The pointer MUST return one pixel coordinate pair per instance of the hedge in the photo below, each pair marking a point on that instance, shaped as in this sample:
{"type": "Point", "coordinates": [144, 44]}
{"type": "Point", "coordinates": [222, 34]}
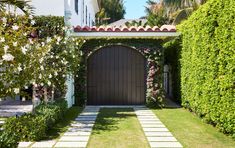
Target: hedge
{"type": "Point", "coordinates": [32, 127]}
{"type": "Point", "coordinates": [208, 64]}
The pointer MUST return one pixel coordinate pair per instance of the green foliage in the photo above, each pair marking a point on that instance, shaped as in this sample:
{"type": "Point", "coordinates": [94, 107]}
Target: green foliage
{"type": "Point", "coordinates": [208, 71]}
{"type": "Point", "coordinates": [51, 112]}
{"type": "Point", "coordinates": [48, 26]}
{"type": "Point", "coordinates": [35, 52]}
{"type": "Point", "coordinates": [32, 127]}
{"type": "Point", "coordinates": [25, 128]}
{"type": "Point", "coordinates": [156, 20]}
{"type": "Point", "coordinates": [171, 11]}
{"type": "Point", "coordinates": [8, 141]}
{"type": "Point", "coordinates": [111, 11]}
{"type": "Point", "coordinates": [135, 23]}
{"type": "Point", "coordinates": [172, 54]}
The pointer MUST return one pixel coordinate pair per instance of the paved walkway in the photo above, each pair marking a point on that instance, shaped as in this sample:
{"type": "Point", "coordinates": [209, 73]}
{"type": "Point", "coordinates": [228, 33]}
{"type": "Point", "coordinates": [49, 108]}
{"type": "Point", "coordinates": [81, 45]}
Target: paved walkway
{"type": "Point", "coordinates": [79, 133]}
{"type": "Point", "coordinates": [155, 131]}
{"type": "Point", "coordinates": [9, 108]}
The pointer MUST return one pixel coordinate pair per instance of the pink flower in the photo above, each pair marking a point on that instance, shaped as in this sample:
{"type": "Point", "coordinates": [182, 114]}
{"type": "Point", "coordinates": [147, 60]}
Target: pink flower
{"type": "Point", "coordinates": [15, 27]}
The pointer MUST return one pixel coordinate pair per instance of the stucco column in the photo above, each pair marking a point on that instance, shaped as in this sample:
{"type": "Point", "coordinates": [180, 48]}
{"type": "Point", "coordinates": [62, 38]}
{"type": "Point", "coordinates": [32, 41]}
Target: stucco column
{"type": "Point", "coordinates": [69, 79]}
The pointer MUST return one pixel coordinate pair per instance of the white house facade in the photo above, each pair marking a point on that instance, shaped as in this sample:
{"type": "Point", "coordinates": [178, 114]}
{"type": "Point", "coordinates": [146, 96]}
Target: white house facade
{"type": "Point", "coordinates": [82, 11]}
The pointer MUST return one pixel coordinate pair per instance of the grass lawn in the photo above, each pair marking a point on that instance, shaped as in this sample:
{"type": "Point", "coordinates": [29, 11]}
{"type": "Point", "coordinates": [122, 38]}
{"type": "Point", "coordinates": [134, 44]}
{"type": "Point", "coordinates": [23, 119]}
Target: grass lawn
{"type": "Point", "coordinates": [191, 131]}
{"type": "Point", "coordinates": [63, 125]}
{"type": "Point", "coordinates": [117, 128]}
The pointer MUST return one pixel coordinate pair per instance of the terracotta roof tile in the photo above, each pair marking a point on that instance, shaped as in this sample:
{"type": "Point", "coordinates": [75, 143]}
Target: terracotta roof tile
{"type": "Point", "coordinates": [164, 28]}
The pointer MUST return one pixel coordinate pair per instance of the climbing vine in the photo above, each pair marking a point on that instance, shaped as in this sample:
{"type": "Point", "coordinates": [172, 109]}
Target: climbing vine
{"type": "Point", "coordinates": [152, 51]}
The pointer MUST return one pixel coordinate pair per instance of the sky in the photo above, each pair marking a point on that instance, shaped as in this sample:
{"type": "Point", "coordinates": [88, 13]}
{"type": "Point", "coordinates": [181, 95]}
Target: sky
{"type": "Point", "coordinates": [134, 8]}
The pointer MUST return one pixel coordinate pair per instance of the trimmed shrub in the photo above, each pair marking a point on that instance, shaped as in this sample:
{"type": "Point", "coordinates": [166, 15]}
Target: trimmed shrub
{"type": "Point", "coordinates": [51, 112]}
{"type": "Point", "coordinates": [28, 127]}
{"type": "Point", "coordinates": [32, 127]}
{"type": "Point", "coordinates": [208, 64]}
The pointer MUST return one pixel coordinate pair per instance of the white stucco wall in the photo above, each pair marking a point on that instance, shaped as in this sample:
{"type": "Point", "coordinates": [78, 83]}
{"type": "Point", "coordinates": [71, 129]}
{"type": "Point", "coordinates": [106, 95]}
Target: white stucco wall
{"type": "Point", "coordinates": [57, 8]}
{"type": "Point", "coordinates": [49, 7]}
{"type": "Point", "coordinates": [80, 18]}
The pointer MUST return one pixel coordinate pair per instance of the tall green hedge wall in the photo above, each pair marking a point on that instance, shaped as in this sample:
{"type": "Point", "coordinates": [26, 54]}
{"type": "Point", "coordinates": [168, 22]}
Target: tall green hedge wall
{"type": "Point", "coordinates": [208, 63]}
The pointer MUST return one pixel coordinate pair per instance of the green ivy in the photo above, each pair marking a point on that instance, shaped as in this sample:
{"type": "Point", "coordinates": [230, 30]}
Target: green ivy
{"type": "Point", "coordinates": [150, 48]}
{"type": "Point", "coordinates": [208, 64]}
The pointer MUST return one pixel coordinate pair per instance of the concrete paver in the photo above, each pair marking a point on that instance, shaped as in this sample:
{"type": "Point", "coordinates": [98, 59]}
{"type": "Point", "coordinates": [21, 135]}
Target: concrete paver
{"type": "Point", "coordinates": [155, 131]}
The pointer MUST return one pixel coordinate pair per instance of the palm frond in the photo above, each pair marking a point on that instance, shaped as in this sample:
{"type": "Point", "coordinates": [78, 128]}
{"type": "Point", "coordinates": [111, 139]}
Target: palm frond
{"type": "Point", "coordinates": [181, 15]}
{"type": "Point", "coordinates": [21, 4]}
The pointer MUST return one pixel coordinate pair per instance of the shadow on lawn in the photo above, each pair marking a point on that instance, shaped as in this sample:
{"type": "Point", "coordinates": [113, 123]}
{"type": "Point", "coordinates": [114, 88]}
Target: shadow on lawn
{"type": "Point", "coordinates": [108, 119]}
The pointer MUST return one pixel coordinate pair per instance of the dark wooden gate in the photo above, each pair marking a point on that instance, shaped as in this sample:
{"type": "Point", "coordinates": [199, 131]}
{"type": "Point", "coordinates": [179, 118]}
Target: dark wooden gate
{"type": "Point", "coordinates": [116, 76]}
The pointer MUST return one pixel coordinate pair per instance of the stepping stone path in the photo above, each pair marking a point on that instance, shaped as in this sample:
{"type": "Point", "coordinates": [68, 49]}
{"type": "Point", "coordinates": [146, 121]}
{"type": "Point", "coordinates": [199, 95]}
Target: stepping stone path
{"type": "Point", "coordinates": [78, 134]}
{"type": "Point", "coordinates": [157, 134]}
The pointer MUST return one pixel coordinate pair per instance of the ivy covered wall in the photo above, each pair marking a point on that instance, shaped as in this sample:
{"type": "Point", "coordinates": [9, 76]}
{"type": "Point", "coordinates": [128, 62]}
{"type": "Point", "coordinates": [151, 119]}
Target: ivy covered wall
{"type": "Point", "coordinates": [208, 64]}
{"type": "Point", "coordinates": [150, 48]}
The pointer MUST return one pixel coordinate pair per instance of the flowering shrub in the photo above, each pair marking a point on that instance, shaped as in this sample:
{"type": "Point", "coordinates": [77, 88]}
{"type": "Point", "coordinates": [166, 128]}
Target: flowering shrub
{"type": "Point", "coordinates": [26, 59]}
{"type": "Point", "coordinates": [155, 92]}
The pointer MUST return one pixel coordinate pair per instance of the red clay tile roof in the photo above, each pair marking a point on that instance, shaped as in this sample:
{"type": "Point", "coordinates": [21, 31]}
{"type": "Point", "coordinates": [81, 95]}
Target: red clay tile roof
{"type": "Point", "coordinates": [164, 28]}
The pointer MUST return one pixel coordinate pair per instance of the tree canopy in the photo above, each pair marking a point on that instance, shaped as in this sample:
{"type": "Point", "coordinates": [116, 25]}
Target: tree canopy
{"type": "Point", "coordinates": [111, 11]}
{"type": "Point", "coordinates": [174, 11]}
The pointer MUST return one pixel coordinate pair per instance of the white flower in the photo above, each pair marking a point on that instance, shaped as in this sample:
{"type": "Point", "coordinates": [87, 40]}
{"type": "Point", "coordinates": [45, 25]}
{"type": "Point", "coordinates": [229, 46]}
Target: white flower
{"type": "Point", "coordinates": [50, 76]}
{"type": "Point", "coordinates": [31, 41]}
{"type": "Point", "coordinates": [4, 20]}
{"type": "Point", "coordinates": [40, 76]}
{"type": "Point", "coordinates": [58, 39]}
{"type": "Point", "coordinates": [24, 50]}
{"type": "Point", "coordinates": [48, 39]}
{"type": "Point", "coordinates": [16, 90]}
{"type": "Point", "coordinates": [6, 47]}
{"type": "Point", "coordinates": [40, 60]}
{"type": "Point", "coordinates": [56, 74]}
{"type": "Point", "coordinates": [43, 44]}
{"type": "Point", "coordinates": [14, 44]}
{"type": "Point", "coordinates": [25, 34]}
{"type": "Point", "coordinates": [49, 83]}
{"type": "Point", "coordinates": [41, 67]}
{"type": "Point", "coordinates": [26, 87]}
{"type": "Point", "coordinates": [8, 57]}
{"type": "Point", "coordinates": [15, 27]}
{"type": "Point", "coordinates": [2, 39]}
{"type": "Point", "coordinates": [30, 17]}
{"type": "Point", "coordinates": [19, 68]}
{"type": "Point", "coordinates": [33, 22]}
